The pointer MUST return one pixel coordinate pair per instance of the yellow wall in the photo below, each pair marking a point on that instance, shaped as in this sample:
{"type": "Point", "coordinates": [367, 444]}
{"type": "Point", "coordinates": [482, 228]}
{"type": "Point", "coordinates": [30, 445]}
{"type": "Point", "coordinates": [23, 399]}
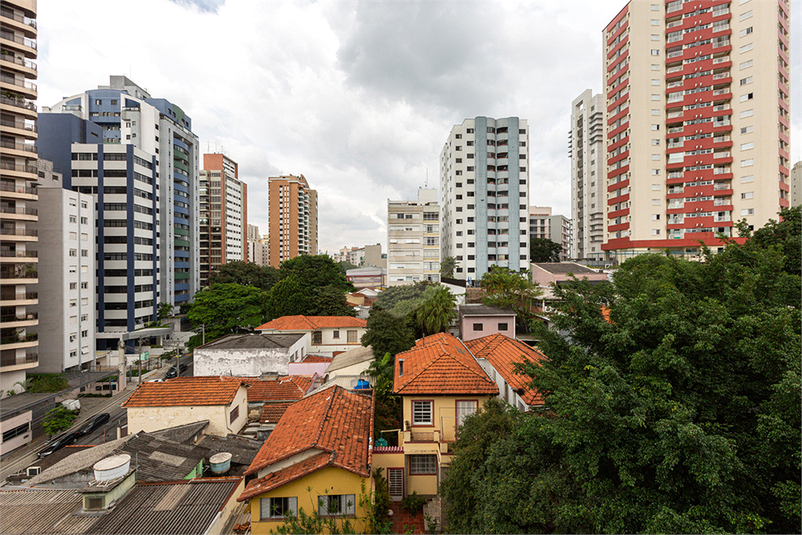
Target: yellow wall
{"type": "Point", "coordinates": [445, 419]}
{"type": "Point", "coordinates": [328, 480]}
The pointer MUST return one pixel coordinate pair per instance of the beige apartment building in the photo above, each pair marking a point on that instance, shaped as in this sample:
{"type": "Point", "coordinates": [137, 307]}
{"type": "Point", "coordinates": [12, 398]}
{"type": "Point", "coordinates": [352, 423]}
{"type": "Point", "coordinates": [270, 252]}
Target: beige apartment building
{"type": "Point", "coordinates": [18, 194]}
{"type": "Point", "coordinates": [293, 218]}
{"type": "Point", "coordinates": [223, 214]}
{"type": "Point", "coordinates": [697, 122]}
{"type": "Point", "coordinates": [413, 247]}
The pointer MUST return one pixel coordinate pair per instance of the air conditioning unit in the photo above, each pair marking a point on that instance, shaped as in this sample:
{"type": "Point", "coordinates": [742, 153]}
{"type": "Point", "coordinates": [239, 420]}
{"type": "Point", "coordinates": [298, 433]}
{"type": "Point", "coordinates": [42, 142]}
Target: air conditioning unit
{"type": "Point", "coordinates": [34, 471]}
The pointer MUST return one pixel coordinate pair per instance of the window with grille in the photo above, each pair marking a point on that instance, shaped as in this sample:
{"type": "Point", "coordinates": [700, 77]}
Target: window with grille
{"type": "Point", "coordinates": [420, 465]}
{"type": "Point", "coordinates": [278, 507]}
{"type": "Point", "coordinates": [317, 337]}
{"type": "Point", "coordinates": [338, 504]}
{"type": "Point", "coordinates": [421, 413]}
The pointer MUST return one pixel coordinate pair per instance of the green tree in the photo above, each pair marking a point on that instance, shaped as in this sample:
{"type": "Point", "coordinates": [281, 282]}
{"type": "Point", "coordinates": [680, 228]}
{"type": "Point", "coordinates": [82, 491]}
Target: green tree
{"type": "Point", "coordinates": [289, 297]}
{"type": "Point", "coordinates": [544, 250]}
{"type": "Point", "coordinates": [316, 271]}
{"type": "Point", "coordinates": [388, 405]}
{"type": "Point", "coordinates": [437, 312]}
{"type": "Point", "coordinates": [164, 311]}
{"type": "Point", "coordinates": [245, 273]}
{"type": "Point", "coordinates": [403, 300]}
{"type": "Point", "coordinates": [447, 266]}
{"type": "Point", "coordinates": [505, 288]}
{"type": "Point", "coordinates": [41, 383]}
{"type": "Point", "coordinates": [387, 333]}
{"type": "Point", "coordinates": [330, 301]}
{"type": "Point", "coordinates": [224, 309]}
{"type": "Point", "coordinates": [345, 266]}
{"type": "Point", "coordinates": [58, 419]}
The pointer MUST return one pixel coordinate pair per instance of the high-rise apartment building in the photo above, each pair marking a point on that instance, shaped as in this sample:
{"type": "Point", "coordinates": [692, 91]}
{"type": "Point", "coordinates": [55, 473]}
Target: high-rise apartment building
{"type": "Point", "coordinates": [697, 96]}
{"type": "Point", "coordinates": [557, 228]}
{"type": "Point", "coordinates": [223, 214]}
{"type": "Point", "coordinates": [18, 194]}
{"type": "Point", "coordinates": [413, 239]}
{"type": "Point", "coordinates": [293, 218]}
{"type": "Point", "coordinates": [66, 250]}
{"type": "Point", "coordinates": [796, 184]}
{"type": "Point", "coordinates": [588, 199]}
{"type": "Point", "coordinates": [123, 182]}
{"type": "Point", "coordinates": [128, 115]}
{"type": "Point", "coordinates": [484, 194]}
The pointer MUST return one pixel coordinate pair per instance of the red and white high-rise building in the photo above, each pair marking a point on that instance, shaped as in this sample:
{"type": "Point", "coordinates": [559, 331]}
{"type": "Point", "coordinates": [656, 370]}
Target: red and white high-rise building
{"type": "Point", "coordinates": [698, 132]}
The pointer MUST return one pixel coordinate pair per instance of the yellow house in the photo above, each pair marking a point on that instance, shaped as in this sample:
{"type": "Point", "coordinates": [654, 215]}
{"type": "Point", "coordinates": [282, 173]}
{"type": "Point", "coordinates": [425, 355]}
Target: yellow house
{"type": "Point", "coordinates": [440, 383]}
{"type": "Point", "coordinates": [317, 459]}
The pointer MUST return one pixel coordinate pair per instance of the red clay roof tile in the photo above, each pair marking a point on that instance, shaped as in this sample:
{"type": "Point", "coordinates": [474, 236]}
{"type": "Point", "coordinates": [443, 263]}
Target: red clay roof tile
{"type": "Point", "coordinates": [186, 391]}
{"type": "Point", "coordinates": [310, 323]}
{"type": "Point", "coordinates": [332, 420]}
{"type": "Point", "coordinates": [272, 412]}
{"type": "Point", "coordinates": [503, 353]}
{"type": "Point", "coordinates": [440, 364]}
{"type": "Point", "coordinates": [316, 358]}
{"type": "Point", "coordinates": [283, 388]}
{"type": "Point", "coordinates": [273, 480]}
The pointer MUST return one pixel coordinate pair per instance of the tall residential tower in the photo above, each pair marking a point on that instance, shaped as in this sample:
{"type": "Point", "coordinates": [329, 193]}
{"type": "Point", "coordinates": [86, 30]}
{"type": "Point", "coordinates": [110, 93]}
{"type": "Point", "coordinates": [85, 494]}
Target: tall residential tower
{"type": "Point", "coordinates": [293, 218]}
{"type": "Point", "coordinates": [697, 95]}
{"type": "Point", "coordinates": [484, 194]}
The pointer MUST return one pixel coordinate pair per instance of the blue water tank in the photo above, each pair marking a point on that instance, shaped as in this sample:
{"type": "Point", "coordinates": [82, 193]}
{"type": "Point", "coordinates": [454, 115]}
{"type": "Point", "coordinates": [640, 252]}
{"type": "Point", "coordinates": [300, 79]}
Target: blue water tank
{"type": "Point", "coordinates": [381, 443]}
{"type": "Point", "coordinates": [362, 385]}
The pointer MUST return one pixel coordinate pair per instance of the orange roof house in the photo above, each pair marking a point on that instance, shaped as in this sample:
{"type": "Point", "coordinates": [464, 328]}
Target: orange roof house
{"type": "Point", "coordinates": [498, 355]}
{"type": "Point", "coordinates": [317, 458]}
{"type": "Point", "coordinates": [221, 400]}
{"type": "Point", "coordinates": [325, 335]}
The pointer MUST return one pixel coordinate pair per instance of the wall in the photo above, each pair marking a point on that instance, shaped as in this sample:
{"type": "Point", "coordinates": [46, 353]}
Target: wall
{"type": "Point", "coordinates": [246, 362]}
{"type": "Point", "coordinates": [489, 326]}
{"type": "Point", "coordinates": [20, 440]}
{"type": "Point", "coordinates": [329, 480]}
{"type": "Point", "coordinates": [444, 412]}
{"type": "Point", "coordinates": [156, 418]}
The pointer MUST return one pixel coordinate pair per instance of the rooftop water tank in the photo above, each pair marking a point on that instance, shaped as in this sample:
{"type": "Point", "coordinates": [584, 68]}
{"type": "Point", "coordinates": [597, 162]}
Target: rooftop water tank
{"type": "Point", "coordinates": [362, 385]}
{"type": "Point", "coordinates": [220, 462]}
{"type": "Point", "coordinates": [112, 467]}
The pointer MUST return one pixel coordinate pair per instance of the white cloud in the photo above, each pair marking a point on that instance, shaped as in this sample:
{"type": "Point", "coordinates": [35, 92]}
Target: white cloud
{"type": "Point", "coordinates": [357, 96]}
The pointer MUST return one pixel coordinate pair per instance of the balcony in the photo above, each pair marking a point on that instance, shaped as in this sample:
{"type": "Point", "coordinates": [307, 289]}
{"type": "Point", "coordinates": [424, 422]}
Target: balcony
{"type": "Point", "coordinates": [22, 234]}
{"type": "Point", "coordinates": [8, 14]}
{"type": "Point", "coordinates": [29, 319]}
{"type": "Point", "coordinates": [19, 102]}
{"type": "Point", "coordinates": [28, 360]}
{"type": "Point", "coordinates": [32, 255]}
{"type": "Point", "coordinates": [11, 80]}
{"type": "Point", "coordinates": [21, 192]}
{"type": "Point", "coordinates": [23, 147]}
{"type": "Point", "coordinates": [11, 298]}
{"type": "Point", "coordinates": [28, 45]}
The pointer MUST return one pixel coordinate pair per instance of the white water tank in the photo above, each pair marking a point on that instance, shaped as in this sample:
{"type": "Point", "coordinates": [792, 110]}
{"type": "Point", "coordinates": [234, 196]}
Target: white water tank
{"type": "Point", "coordinates": [220, 462]}
{"type": "Point", "coordinates": [112, 467]}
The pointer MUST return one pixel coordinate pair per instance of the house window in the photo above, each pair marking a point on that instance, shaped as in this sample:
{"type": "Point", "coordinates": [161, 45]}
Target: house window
{"type": "Point", "coordinates": [465, 409]}
{"type": "Point", "coordinates": [317, 337]}
{"type": "Point", "coordinates": [422, 465]}
{"type": "Point", "coordinates": [351, 337]}
{"type": "Point", "coordinates": [422, 413]}
{"type": "Point", "coordinates": [478, 326]}
{"type": "Point", "coordinates": [233, 415]}
{"type": "Point", "coordinates": [277, 507]}
{"type": "Point", "coordinates": [503, 327]}
{"type": "Point", "coordinates": [337, 504]}
{"type": "Point", "coordinates": [335, 335]}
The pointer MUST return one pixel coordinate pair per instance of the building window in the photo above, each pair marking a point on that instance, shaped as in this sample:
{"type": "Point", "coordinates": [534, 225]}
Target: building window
{"type": "Point", "coordinates": [317, 337]}
{"type": "Point", "coordinates": [422, 465]}
{"type": "Point", "coordinates": [422, 413]}
{"type": "Point", "coordinates": [478, 327]}
{"type": "Point", "coordinates": [233, 415]}
{"type": "Point", "coordinates": [337, 504]}
{"type": "Point", "coordinates": [503, 327]}
{"type": "Point", "coordinates": [351, 337]}
{"type": "Point", "coordinates": [277, 507]}
{"type": "Point", "coordinates": [335, 335]}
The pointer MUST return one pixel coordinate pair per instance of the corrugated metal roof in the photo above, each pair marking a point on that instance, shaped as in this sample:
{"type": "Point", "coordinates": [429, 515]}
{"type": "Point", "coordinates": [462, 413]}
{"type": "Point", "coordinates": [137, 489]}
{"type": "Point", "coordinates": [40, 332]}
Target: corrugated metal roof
{"type": "Point", "coordinates": [38, 511]}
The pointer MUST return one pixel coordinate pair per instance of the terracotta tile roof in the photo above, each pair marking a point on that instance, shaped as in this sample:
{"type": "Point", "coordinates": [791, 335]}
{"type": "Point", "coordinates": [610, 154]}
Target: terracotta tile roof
{"type": "Point", "coordinates": [272, 412]}
{"type": "Point", "coordinates": [440, 364]}
{"type": "Point", "coordinates": [334, 420]}
{"type": "Point", "coordinates": [310, 323]}
{"type": "Point", "coordinates": [276, 479]}
{"type": "Point", "coordinates": [503, 353]}
{"type": "Point", "coordinates": [316, 358]}
{"type": "Point", "coordinates": [186, 391]}
{"type": "Point", "coordinates": [283, 388]}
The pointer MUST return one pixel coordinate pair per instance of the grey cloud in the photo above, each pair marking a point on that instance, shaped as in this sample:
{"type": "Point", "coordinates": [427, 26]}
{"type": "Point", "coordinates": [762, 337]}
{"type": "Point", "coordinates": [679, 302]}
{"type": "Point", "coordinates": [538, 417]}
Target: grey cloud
{"type": "Point", "coordinates": [202, 5]}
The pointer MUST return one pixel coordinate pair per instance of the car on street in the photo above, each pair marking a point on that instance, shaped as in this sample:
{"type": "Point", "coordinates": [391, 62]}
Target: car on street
{"type": "Point", "coordinates": [182, 367]}
{"type": "Point", "coordinates": [172, 373]}
{"type": "Point", "coordinates": [59, 442]}
{"type": "Point", "coordinates": [93, 423]}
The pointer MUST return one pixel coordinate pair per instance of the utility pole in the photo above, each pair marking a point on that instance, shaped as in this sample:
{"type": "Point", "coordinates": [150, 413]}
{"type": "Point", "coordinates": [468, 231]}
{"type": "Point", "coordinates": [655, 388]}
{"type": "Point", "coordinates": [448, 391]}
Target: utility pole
{"type": "Point", "coordinates": [203, 331]}
{"type": "Point", "coordinates": [139, 359]}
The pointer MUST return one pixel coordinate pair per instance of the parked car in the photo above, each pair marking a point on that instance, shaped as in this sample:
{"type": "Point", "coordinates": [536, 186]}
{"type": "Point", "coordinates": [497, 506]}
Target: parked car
{"type": "Point", "coordinates": [182, 367]}
{"type": "Point", "coordinates": [54, 445]}
{"type": "Point", "coordinates": [93, 423]}
{"type": "Point", "coordinates": [172, 373]}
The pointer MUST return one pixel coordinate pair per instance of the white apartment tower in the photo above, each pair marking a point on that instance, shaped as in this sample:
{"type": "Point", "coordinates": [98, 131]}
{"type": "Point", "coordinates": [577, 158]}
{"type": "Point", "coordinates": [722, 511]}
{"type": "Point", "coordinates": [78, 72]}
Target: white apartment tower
{"type": "Point", "coordinates": [697, 129]}
{"type": "Point", "coordinates": [588, 201]}
{"type": "Point", "coordinates": [484, 194]}
{"type": "Point", "coordinates": [413, 239]}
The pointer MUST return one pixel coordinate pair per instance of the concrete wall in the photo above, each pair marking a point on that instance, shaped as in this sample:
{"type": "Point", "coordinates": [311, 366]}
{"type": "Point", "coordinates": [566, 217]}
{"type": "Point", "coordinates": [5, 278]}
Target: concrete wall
{"type": "Point", "coordinates": [247, 362]}
{"type": "Point", "coordinates": [156, 418]}
{"type": "Point", "coordinates": [19, 440]}
{"type": "Point", "coordinates": [490, 325]}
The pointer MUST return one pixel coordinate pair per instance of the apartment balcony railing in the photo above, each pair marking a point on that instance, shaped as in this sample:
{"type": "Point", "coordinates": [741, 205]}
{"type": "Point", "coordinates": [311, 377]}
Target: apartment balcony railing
{"type": "Point", "coordinates": [18, 146]}
{"type": "Point", "coordinates": [719, 187]}
{"type": "Point", "coordinates": [19, 61]}
{"type": "Point", "coordinates": [722, 202]}
{"type": "Point", "coordinates": [720, 75]}
{"type": "Point", "coordinates": [722, 59]}
{"type": "Point", "coordinates": [18, 189]}
{"type": "Point", "coordinates": [721, 219]}
{"type": "Point", "coordinates": [19, 254]}
{"type": "Point", "coordinates": [18, 102]}
{"type": "Point", "coordinates": [16, 317]}
{"type": "Point", "coordinates": [721, 155]}
{"type": "Point", "coordinates": [18, 82]}
{"type": "Point", "coordinates": [22, 125]}
{"type": "Point", "coordinates": [16, 339]}
{"type": "Point", "coordinates": [19, 18]}
{"type": "Point", "coordinates": [18, 232]}
{"type": "Point", "coordinates": [30, 43]}
{"type": "Point", "coordinates": [13, 360]}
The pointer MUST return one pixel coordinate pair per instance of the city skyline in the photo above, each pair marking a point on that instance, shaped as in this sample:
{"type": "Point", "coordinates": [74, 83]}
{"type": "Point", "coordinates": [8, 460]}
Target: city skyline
{"type": "Point", "coordinates": [343, 97]}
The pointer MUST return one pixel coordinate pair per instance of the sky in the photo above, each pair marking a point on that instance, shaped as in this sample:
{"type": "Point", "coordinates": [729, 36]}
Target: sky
{"type": "Point", "coordinates": [359, 97]}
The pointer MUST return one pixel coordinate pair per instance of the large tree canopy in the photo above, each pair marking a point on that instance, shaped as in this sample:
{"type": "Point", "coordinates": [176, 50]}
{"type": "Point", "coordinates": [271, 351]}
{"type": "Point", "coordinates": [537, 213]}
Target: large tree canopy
{"type": "Point", "coordinates": [505, 288]}
{"type": "Point", "coordinates": [224, 309]}
{"type": "Point", "coordinates": [245, 273]}
{"type": "Point", "coordinates": [316, 271]}
{"type": "Point", "coordinates": [387, 333]}
{"type": "Point", "coordinates": [678, 412]}
{"type": "Point", "coordinates": [544, 250]}
{"type": "Point", "coordinates": [402, 300]}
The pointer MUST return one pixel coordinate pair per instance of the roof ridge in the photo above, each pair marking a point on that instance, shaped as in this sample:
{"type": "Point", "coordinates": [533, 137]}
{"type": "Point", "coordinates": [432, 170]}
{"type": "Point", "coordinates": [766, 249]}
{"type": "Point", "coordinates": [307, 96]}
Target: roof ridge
{"type": "Point", "coordinates": [321, 426]}
{"type": "Point", "coordinates": [483, 375]}
{"type": "Point", "coordinates": [443, 351]}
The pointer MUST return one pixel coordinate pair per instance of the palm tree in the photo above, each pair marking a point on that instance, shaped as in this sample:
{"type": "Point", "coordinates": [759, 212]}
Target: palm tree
{"type": "Point", "coordinates": [436, 314]}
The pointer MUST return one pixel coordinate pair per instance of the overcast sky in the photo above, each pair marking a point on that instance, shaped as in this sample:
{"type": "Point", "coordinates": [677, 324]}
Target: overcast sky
{"type": "Point", "coordinates": [359, 97]}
